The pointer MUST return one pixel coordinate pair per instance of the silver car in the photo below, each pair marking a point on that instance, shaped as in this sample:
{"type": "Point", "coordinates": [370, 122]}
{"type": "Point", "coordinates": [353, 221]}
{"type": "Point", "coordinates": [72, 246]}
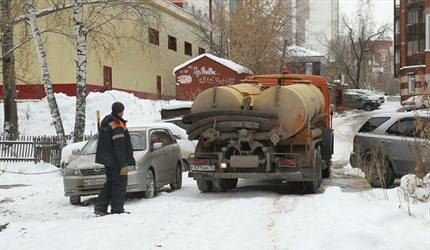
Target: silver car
{"type": "Point", "coordinates": [392, 145]}
{"type": "Point", "coordinates": [158, 163]}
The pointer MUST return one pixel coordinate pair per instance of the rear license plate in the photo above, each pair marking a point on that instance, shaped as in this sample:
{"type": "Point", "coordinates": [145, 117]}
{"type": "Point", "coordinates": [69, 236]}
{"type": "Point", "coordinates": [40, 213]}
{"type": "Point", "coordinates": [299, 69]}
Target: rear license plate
{"type": "Point", "coordinates": [203, 167]}
{"type": "Point", "coordinates": [94, 182]}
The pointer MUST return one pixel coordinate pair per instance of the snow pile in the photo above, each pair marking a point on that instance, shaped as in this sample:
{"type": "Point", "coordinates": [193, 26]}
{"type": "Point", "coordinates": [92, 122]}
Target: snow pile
{"type": "Point", "coordinates": [411, 186]}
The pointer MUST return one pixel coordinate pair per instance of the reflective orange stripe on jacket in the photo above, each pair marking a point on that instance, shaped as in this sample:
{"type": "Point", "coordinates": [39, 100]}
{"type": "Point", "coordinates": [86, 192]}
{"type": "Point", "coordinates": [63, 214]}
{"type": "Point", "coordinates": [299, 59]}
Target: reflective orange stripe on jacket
{"type": "Point", "coordinates": [115, 124]}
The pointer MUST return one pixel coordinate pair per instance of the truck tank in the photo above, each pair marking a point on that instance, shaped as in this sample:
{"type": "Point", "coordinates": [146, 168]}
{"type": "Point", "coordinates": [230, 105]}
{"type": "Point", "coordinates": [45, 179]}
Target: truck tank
{"type": "Point", "coordinates": [296, 105]}
{"type": "Point", "coordinates": [225, 97]}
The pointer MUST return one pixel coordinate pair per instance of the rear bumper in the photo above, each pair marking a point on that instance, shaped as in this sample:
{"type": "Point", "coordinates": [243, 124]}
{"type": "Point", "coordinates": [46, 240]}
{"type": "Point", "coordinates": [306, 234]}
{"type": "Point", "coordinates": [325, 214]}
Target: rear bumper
{"type": "Point", "coordinates": [306, 174]}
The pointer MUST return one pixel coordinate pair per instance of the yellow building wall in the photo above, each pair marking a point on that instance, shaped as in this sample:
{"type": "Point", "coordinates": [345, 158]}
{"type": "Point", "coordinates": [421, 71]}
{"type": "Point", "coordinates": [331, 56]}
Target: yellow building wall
{"type": "Point", "coordinates": [135, 66]}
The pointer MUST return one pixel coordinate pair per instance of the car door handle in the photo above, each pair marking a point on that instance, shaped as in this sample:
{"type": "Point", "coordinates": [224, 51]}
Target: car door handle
{"type": "Point", "coordinates": [386, 141]}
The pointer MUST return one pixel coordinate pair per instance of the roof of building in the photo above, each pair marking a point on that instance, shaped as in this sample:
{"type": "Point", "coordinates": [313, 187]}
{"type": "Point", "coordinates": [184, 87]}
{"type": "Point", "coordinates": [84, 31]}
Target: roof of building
{"type": "Point", "coordinates": [297, 51]}
{"type": "Point", "coordinates": [229, 64]}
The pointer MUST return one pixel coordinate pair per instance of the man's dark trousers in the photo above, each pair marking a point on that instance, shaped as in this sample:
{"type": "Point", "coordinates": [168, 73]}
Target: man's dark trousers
{"type": "Point", "coordinates": [113, 191]}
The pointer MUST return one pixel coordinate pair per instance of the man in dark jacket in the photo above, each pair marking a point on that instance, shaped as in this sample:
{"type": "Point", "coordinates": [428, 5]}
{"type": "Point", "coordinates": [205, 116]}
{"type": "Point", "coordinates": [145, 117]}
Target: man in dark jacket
{"type": "Point", "coordinates": [114, 151]}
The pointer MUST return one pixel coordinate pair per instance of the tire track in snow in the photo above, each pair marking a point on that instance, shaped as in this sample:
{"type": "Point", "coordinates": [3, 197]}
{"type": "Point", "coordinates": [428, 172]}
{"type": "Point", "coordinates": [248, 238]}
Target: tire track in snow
{"type": "Point", "coordinates": [282, 204]}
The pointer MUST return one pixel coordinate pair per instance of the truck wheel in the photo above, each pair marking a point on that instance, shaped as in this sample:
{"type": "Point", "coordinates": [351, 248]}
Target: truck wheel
{"type": "Point", "coordinates": [368, 107]}
{"type": "Point", "coordinates": [231, 183]}
{"type": "Point", "coordinates": [311, 187]}
{"type": "Point", "coordinates": [219, 185]}
{"type": "Point", "coordinates": [204, 186]}
{"type": "Point", "coordinates": [326, 172]}
{"type": "Point", "coordinates": [75, 199]}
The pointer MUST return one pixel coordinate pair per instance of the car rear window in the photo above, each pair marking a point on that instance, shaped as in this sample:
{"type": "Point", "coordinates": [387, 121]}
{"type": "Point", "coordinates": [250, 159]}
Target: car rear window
{"type": "Point", "coordinates": [372, 124]}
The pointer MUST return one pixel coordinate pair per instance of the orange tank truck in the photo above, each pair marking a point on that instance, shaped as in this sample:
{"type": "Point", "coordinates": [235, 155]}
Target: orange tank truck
{"type": "Point", "coordinates": [275, 126]}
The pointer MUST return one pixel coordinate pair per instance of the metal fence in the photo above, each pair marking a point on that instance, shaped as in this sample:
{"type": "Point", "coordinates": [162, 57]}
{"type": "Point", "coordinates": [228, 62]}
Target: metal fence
{"type": "Point", "coordinates": [31, 148]}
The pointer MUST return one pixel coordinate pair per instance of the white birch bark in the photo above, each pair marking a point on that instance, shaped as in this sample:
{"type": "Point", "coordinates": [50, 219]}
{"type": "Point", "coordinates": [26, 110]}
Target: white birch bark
{"type": "Point", "coordinates": [53, 107]}
{"type": "Point", "coordinates": [81, 69]}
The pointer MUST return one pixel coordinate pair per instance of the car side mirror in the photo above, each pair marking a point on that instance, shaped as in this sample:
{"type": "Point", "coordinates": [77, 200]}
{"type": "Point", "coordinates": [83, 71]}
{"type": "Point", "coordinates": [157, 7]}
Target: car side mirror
{"type": "Point", "coordinates": [76, 151]}
{"type": "Point", "coordinates": [157, 145]}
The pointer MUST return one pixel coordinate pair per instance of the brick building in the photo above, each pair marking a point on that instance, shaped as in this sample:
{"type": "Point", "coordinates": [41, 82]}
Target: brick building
{"type": "Point", "coordinates": [412, 46]}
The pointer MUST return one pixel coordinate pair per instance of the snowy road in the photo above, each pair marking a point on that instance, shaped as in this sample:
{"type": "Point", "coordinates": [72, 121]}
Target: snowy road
{"type": "Point", "coordinates": [344, 214]}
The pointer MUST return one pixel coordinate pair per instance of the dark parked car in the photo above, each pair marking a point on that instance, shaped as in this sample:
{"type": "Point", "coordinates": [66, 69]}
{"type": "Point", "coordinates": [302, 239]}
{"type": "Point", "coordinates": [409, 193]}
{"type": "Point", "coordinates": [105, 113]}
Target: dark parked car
{"type": "Point", "coordinates": [353, 100]}
{"type": "Point", "coordinates": [158, 163]}
{"type": "Point", "coordinates": [392, 145]}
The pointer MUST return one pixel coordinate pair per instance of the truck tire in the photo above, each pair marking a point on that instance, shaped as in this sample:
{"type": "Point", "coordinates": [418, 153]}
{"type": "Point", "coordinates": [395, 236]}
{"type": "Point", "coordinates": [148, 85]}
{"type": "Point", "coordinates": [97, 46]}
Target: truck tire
{"type": "Point", "coordinates": [326, 172]}
{"type": "Point", "coordinates": [311, 187]}
{"type": "Point", "coordinates": [204, 186]}
{"type": "Point", "coordinates": [219, 185]}
{"type": "Point", "coordinates": [231, 183]}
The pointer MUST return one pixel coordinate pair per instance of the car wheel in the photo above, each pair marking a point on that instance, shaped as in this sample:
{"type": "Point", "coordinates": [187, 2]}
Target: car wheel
{"type": "Point", "coordinates": [150, 184]}
{"type": "Point", "coordinates": [75, 199]}
{"type": "Point", "coordinates": [178, 178]}
{"type": "Point", "coordinates": [204, 186]}
{"type": "Point", "coordinates": [368, 107]}
{"type": "Point", "coordinates": [378, 172]}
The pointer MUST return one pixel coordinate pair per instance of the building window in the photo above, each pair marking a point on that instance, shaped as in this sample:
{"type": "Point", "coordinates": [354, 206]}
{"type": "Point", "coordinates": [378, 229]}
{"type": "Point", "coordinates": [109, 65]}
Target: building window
{"type": "Point", "coordinates": [428, 80]}
{"type": "Point", "coordinates": [172, 43]}
{"type": "Point", "coordinates": [158, 87]}
{"type": "Point", "coordinates": [188, 49]}
{"type": "Point", "coordinates": [412, 47]}
{"type": "Point", "coordinates": [412, 17]}
{"type": "Point", "coordinates": [154, 36]}
{"type": "Point", "coordinates": [201, 51]}
{"type": "Point", "coordinates": [411, 83]}
{"type": "Point", "coordinates": [427, 31]}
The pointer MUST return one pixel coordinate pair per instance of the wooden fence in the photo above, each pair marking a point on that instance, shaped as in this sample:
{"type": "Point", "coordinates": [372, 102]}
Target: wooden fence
{"type": "Point", "coordinates": [31, 148]}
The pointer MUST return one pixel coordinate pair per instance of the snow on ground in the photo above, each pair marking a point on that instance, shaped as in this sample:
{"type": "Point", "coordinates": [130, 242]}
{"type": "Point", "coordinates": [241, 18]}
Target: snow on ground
{"type": "Point", "coordinates": [253, 216]}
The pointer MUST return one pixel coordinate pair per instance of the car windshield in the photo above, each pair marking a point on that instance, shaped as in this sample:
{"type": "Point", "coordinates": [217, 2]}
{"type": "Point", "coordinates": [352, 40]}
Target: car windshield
{"type": "Point", "coordinates": [138, 142]}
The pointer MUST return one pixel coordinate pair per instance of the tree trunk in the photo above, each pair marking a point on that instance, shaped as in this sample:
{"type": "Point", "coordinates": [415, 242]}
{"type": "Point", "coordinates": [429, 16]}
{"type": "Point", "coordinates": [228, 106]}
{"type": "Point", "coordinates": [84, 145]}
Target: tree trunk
{"type": "Point", "coordinates": [55, 113]}
{"type": "Point", "coordinates": [8, 73]}
{"type": "Point", "coordinates": [81, 68]}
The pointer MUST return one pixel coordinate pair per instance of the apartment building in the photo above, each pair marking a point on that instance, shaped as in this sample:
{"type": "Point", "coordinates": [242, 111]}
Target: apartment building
{"type": "Point", "coordinates": [412, 46]}
{"type": "Point", "coordinates": [143, 68]}
{"type": "Point", "coordinates": [312, 20]}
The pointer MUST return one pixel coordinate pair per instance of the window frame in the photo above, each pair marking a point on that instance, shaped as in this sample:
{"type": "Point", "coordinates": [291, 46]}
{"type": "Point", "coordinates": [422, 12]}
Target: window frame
{"type": "Point", "coordinates": [172, 43]}
{"type": "Point", "coordinates": [188, 48]}
{"type": "Point", "coordinates": [411, 83]}
{"type": "Point", "coordinates": [154, 36]}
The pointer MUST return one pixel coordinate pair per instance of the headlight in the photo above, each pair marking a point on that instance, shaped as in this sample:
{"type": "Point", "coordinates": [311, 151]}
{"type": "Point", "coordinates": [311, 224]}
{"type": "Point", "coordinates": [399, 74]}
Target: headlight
{"type": "Point", "coordinates": [71, 171]}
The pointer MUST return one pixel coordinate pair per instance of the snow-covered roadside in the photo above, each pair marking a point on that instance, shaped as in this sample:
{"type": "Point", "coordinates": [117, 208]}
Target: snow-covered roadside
{"type": "Point", "coordinates": [249, 217]}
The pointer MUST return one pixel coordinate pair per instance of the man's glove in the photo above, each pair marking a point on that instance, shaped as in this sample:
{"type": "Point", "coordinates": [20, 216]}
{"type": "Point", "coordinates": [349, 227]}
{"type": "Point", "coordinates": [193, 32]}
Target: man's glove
{"type": "Point", "coordinates": [124, 170]}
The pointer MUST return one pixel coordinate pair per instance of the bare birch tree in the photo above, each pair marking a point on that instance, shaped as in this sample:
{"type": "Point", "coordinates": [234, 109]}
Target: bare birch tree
{"type": "Point", "coordinates": [352, 49]}
{"type": "Point", "coordinates": [251, 35]}
{"type": "Point", "coordinates": [8, 72]}
{"type": "Point", "coordinates": [81, 70]}
{"type": "Point", "coordinates": [55, 112]}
